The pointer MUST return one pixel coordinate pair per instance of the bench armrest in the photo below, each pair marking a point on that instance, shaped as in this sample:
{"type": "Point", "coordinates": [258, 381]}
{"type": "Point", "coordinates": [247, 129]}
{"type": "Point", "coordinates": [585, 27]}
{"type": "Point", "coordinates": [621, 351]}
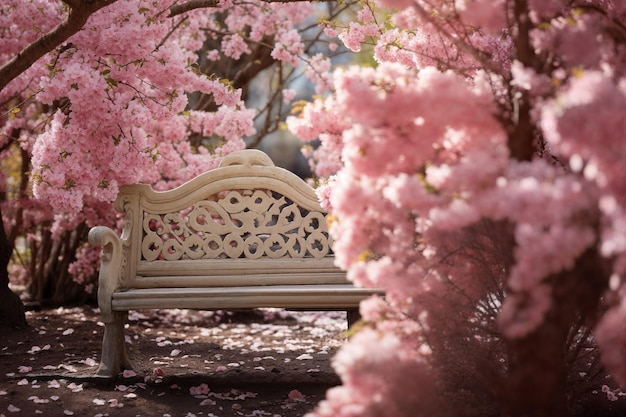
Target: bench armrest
{"type": "Point", "coordinates": [110, 267]}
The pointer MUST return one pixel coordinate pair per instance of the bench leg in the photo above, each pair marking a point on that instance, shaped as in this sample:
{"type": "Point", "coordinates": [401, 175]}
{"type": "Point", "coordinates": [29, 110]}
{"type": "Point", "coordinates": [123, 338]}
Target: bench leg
{"type": "Point", "coordinates": [114, 358]}
{"type": "Point", "coordinates": [353, 316]}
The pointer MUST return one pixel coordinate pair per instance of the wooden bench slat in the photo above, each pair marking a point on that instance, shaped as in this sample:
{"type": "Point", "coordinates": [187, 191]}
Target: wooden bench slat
{"type": "Point", "coordinates": [284, 296]}
{"type": "Point", "coordinates": [236, 266]}
{"type": "Point", "coordinates": [206, 281]}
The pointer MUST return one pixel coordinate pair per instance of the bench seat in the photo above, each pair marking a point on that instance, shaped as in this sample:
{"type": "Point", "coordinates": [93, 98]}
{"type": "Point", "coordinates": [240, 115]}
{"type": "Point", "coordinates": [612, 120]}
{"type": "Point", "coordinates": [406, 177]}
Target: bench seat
{"type": "Point", "coordinates": [311, 297]}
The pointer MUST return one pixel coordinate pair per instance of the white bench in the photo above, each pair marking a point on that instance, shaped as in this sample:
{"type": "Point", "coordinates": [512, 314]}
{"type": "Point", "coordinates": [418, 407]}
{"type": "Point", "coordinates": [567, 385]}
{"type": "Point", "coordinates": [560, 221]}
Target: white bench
{"type": "Point", "coordinates": [245, 235]}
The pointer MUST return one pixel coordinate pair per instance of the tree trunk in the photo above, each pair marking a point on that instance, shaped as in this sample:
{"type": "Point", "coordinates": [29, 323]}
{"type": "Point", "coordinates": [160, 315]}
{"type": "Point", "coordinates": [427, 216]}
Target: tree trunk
{"type": "Point", "coordinates": [51, 285]}
{"type": "Point", "coordinates": [538, 374]}
{"type": "Point", "coordinates": [11, 308]}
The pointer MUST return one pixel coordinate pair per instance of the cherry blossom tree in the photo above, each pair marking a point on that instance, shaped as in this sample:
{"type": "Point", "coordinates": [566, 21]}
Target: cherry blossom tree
{"type": "Point", "coordinates": [475, 174]}
{"type": "Point", "coordinates": [96, 94]}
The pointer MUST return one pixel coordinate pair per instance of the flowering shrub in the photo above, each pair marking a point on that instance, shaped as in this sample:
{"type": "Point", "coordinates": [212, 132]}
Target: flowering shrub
{"type": "Point", "coordinates": [474, 177]}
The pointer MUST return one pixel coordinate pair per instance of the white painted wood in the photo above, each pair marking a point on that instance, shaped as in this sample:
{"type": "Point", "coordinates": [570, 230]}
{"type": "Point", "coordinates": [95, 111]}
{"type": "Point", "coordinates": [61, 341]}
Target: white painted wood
{"type": "Point", "coordinates": [320, 297]}
{"type": "Point", "coordinates": [246, 235]}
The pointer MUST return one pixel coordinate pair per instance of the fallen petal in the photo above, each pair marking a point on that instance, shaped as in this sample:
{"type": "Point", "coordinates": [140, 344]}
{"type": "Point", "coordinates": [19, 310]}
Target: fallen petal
{"type": "Point", "coordinates": [129, 373]}
{"type": "Point", "coordinates": [90, 362]}
{"type": "Point", "coordinates": [208, 401]}
{"type": "Point", "coordinates": [296, 395]}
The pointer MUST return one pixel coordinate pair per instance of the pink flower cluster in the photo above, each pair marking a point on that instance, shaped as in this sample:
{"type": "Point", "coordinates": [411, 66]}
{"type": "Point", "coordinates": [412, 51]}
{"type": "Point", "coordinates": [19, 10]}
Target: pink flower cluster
{"type": "Point", "coordinates": [374, 368]}
{"type": "Point", "coordinates": [135, 77]}
{"type": "Point", "coordinates": [137, 89]}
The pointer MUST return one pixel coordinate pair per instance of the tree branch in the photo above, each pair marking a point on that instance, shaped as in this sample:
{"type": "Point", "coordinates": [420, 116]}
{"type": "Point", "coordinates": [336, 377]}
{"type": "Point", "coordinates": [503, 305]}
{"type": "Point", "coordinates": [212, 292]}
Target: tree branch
{"type": "Point", "coordinates": [201, 4]}
{"type": "Point", "coordinates": [78, 15]}
{"type": "Point", "coordinates": [191, 5]}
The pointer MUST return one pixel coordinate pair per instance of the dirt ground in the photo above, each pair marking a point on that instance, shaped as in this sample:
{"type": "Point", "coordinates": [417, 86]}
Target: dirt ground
{"type": "Point", "coordinates": [186, 363]}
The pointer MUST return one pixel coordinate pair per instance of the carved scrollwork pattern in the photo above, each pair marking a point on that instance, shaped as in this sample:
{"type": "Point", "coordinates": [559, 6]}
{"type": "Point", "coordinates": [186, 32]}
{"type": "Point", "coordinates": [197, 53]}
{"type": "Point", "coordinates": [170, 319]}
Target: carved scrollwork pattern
{"type": "Point", "coordinates": [237, 224]}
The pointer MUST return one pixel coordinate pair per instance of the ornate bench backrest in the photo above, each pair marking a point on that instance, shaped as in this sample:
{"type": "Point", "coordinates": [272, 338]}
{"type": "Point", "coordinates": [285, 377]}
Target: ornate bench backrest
{"type": "Point", "coordinates": [248, 223]}
{"type": "Point", "coordinates": [247, 209]}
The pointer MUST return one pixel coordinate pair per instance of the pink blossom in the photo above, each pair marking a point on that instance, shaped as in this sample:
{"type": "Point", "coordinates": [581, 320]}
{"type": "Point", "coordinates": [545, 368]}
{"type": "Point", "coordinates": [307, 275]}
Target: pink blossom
{"type": "Point", "coordinates": [395, 4]}
{"type": "Point", "coordinates": [524, 312]}
{"type": "Point", "coordinates": [356, 34]}
{"type": "Point", "coordinates": [288, 95]}
{"type": "Point", "coordinates": [330, 31]}
{"type": "Point", "coordinates": [611, 337]}
{"type": "Point", "coordinates": [527, 79]}
{"type": "Point", "coordinates": [234, 46]}
{"type": "Point", "coordinates": [289, 47]}
{"type": "Point", "coordinates": [488, 15]}
{"type": "Point", "coordinates": [318, 71]}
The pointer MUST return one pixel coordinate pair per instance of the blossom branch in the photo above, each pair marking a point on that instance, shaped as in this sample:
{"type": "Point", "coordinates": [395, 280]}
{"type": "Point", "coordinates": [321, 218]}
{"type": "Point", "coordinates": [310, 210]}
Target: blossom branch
{"type": "Point", "coordinates": [78, 15]}
{"type": "Point", "coordinates": [202, 4]}
{"type": "Point", "coordinates": [454, 39]}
